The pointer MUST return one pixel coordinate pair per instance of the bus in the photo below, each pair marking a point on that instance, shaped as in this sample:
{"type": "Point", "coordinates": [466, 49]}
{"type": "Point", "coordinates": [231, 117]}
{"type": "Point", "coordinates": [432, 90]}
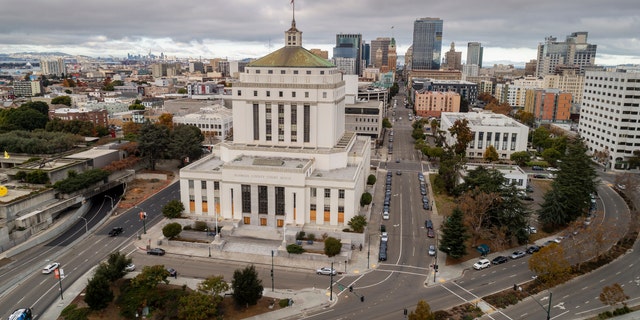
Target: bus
{"type": "Point", "coordinates": [21, 314]}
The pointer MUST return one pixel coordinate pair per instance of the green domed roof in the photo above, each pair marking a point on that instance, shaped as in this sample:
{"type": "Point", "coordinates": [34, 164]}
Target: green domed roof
{"type": "Point", "coordinates": [291, 57]}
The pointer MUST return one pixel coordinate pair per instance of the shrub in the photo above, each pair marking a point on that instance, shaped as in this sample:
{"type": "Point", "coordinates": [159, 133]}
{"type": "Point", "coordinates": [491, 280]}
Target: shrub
{"type": "Point", "coordinates": [371, 180]}
{"type": "Point", "coordinates": [357, 223]}
{"type": "Point", "coordinates": [172, 230]}
{"type": "Point", "coordinates": [365, 199]}
{"type": "Point", "coordinates": [332, 246]}
{"type": "Point", "coordinates": [71, 312]}
{"type": "Point", "coordinates": [311, 237]}
{"type": "Point", "coordinates": [200, 226]}
{"type": "Point", "coordinates": [283, 303]}
{"type": "Point", "coordinates": [295, 249]}
{"type": "Point", "coordinates": [173, 209]}
{"type": "Point", "coordinates": [301, 235]}
{"type": "Point", "coordinates": [325, 236]}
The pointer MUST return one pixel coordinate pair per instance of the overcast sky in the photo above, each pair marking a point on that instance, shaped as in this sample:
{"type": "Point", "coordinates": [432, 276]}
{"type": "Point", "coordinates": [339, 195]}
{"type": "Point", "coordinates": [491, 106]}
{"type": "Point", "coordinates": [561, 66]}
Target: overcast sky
{"type": "Point", "coordinates": [509, 30]}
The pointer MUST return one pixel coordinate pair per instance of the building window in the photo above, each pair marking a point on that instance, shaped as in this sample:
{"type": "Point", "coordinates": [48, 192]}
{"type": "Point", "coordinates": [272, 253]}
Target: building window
{"type": "Point", "coordinates": [191, 184]}
{"type": "Point", "coordinates": [255, 93]}
{"type": "Point", "coordinates": [295, 71]}
{"type": "Point", "coordinates": [203, 185]}
{"type": "Point", "coordinates": [306, 94]}
{"type": "Point", "coordinates": [308, 71]}
{"type": "Point", "coordinates": [294, 123]}
{"type": "Point", "coordinates": [313, 192]}
{"type": "Point", "coordinates": [280, 94]}
{"type": "Point", "coordinates": [324, 95]}
{"type": "Point", "coordinates": [270, 71]}
{"type": "Point", "coordinates": [340, 193]}
{"type": "Point", "coordinates": [505, 139]}
{"type": "Point", "coordinates": [268, 121]}
{"type": "Point", "coordinates": [263, 200]}
{"type": "Point", "coordinates": [280, 122]}
{"type": "Point", "coordinates": [282, 72]}
{"type": "Point", "coordinates": [246, 198]}
{"type": "Point", "coordinates": [216, 185]}
{"type": "Point", "coordinates": [239, 93]}
{"type": "Point", "coordinates": [280, 201]}
{"type": "Point", "coordinates": [293, 94]}
{"type": "Point", "coordinates": [307, 122]}
{"type": "Point", "coordinates": [513, 141]}
{"type": "Point", "coordinates": [480, 139]}
{"type": "Point", "coordinates": [256, 122]}
{"type": "Point", "coordinates": [268, 93]}
{"type": "Point", "coordinates": [327, 193]}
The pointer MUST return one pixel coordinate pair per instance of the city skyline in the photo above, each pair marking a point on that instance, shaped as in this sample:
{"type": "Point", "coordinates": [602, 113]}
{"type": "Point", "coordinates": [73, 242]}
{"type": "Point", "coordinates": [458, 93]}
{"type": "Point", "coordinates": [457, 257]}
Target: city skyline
{"type": "Point", "coordinates": [508, 30]}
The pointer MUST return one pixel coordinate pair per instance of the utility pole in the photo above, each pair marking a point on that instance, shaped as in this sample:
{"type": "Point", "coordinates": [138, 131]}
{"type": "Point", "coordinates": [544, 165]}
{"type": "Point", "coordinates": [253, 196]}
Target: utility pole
{"type": "Point", "coordinates": [368, 251]}
{"type": "Point", "coordinates": [331, 284]}
{"type": "Point", "coordinates": [272, 271]}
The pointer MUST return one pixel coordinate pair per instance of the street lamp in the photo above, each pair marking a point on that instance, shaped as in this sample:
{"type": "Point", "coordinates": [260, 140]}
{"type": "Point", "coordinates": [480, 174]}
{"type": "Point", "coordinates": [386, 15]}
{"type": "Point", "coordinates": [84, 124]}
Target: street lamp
{"type": "Point", "coordinates": [86, 224]}
{"type": "Point", "coordinates": [369, 252]}
{"type": "Point", "coordinates": [272, 271]}
{"type": "Point", "coordinates": [143, 217]}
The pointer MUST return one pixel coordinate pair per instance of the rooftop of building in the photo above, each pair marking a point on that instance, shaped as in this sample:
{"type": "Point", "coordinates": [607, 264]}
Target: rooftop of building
{"type": "Point", "coordinates": [482, 119]}
{"type": "Point", "coordinates": [291, 57]}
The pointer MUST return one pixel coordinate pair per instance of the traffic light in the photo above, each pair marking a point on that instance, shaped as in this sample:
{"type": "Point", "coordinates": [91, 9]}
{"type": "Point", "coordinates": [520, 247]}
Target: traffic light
{"type": "Point", "coordinates": [350, 288]}
{"type": "Point", "coordinates": [436, 267]}
{"type": "Point", "coordinates": [361, 298]}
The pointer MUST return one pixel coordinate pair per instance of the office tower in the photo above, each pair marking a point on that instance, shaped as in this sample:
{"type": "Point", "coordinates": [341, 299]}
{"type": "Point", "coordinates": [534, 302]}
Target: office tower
{"type": "Point", "coordinates": [453, 59]}
{"type": "Point", "coordinates": [53, 67]}
{"type": "Point", "coordinates": [349, 46]}
{"type": "Point", "coordinates": [474, 53]}
{"type": "Point", "coordinates": [609, 119]}
{"type": "Point", "coordinates": [574, 52]}
{"type": "Point", "coordinates": [380, 52]}
{"type": "Point", "coordinates": [427, 44]}
{"type": "Point", "coordinates": [366, 55]}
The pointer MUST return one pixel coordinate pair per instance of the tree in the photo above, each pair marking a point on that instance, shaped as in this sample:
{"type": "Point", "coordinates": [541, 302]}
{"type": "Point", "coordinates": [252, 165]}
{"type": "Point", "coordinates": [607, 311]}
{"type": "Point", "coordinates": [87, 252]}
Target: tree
{"type": "Point", "coordinates": [153, 141]}
{"type": "Point", "coordinates": [520, 158]}
{"type": "Point", "coordinates": [434, 126]}
{"type": "Point", "coordinates": [66, 100]}
{"type": "Point", "coordinates": [417, 133]}
{"type": "Point", "coordinates": [332, 246]}
{"type": "Point", "coordinates": [113, 269]}
{"type": "Point", "coordinates": [98, 294]}
{"type": "Point", "coordinates": [186, 143]}
{"type": "Point", "coordinates": [182, 91]}
{"type": "Point", "coordinates": [172, 230]}
{"type": "Point", "coordinates": [247, 288]}
{"type": "Point", "coordinates": [357, 223]}
{"type": "Point", "coordinates": [550, 264]}
{"type": "Point", "coordinates": [149, 277]}
{"type": "Point", "coordinates": [166, 119]}
{"type": "Point", "coordinates": [39, 106]}
{"type": "Point", "coordinates": [386, 123]}
{"type": "Point", "coordinates": [460, 130]}
{"type": "Point", "coordinates": [371, 179]}
{"type": "Point", "coordinates": [490, 154]}
{"type": "Point", "coordinates": [214, 285]}
{"type": "Point", "coordinates": [365, 199]}
{"type": "Point", "coordinates": [475, 205]}
{"type": "Point", "coordinates": [541, 138]}
{"type": "Point", "coordinates": [454, 235]}
{"type": "Point", "coordinates": [422, 312]}
{"type": "Point", "coordinates": [197, 306]}
{"type": "Point", "coordinates": [525, 117]}
{"type": "Point", "coordinates": [173, 209]}
{"type": "Point", "coordinates": [130, 130]}
{"type": "Point", "coordinates": [551, 155]}
{"type": "Point", "coordinates": [612, 295]}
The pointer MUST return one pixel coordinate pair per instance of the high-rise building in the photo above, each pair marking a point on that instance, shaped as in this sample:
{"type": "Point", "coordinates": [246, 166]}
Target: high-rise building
{"type": "Point", "coordinates": [380, 52]}
{"type": "Point", "coordinates": [53, 67]}
{"type": "Point", "coordinates": [427, 44]}
{"type": "Point", "coordinates": [291, 163]}
{"type": "Point", "coordinates": [609, 118]}
{"type": "Point", "coordinates": [474, 53]}
{"type": "Point", "coordinates": [349, 46]}
{"type": "Point", "coordinates": [366, 54]}
{"type": "Point", "coordinates": [453, 59]}
{"type": "Point", "coordinates": [574, 52]}
{"type": "Point", "coordinates": [548, 105]}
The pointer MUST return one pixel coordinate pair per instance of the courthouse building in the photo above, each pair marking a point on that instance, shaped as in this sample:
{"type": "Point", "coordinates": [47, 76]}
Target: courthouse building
{"type": "Point", "coordinates": [291, 161]}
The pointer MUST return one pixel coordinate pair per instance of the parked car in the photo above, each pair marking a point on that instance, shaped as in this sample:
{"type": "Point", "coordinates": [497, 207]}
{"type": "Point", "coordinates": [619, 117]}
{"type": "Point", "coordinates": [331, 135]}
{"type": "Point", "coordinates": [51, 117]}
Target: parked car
{"type": "Point", "coordinates": [130, 267]}
{"type": "Point", "coordinates": [425, 206]}
{"type": "Point", "coordinates": [428, 224]}
{"type": "Point", "coordinates": [531, 229]}
{"type": "Point", "coordinates": [50, 267]}
{"type": "Point", "coordinates": [499, 260]}
{"type": "Point", "coordinates": [115, 231]}
{"type": "Point", "coordinates": [552, 169]}
{"type": "Point", "coordinates": [432, 250]}
{"type": "Point", "coordinates": [425, 199]}
{"type": "Point", "coordinates": [481, 264]}
{"type": "Point", "coordinates": [518, 254]}
{"type": "Point", "coordinates": [525, 197]}
{"type": "Point", "coordinates": [384, 237]}
{"type": "Point", "coordinates": [326, 271]}
{"type": "Point", "coordinates": [533, 249]}
{"type": "Point", "coordinates": [423, 191]}
{"type": "Point", "coordinates": [156, 252]}
{"type": "Point", "coordinates": [537, 168]}
{"type": "Point", "coordinates": [399, 172]}
{"type": "Point", "coordinates": [540, 176]}
{"type": "Point", "coordinates": [172, 272]}
{"type": "Point", "coordinates": [431, 233]}
{"type": "Point", "coordinates": [383, 228]}
{"type": "Point", "coordinates": [385, 215]}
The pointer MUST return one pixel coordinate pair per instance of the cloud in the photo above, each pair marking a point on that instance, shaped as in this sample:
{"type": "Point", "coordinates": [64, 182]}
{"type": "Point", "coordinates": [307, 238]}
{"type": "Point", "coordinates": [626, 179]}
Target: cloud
{"type": "Point", "coordinates": [508, 29]}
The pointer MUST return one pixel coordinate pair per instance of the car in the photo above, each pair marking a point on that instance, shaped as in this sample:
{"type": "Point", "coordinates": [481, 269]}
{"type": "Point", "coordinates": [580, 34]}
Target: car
{"type": "Point", "coordinates": [431, 233]}
{"type": "Point", "coordinates": [621, 186]}
{"type": "Point", "coordinates": [130, 267]}
{"type": "Point", "coordinates": [518, 254]}
{"type": "Point", "coordinates": [425, 206]}
{"type": "Point", "coordinates": [397, 160]}
{"type": "Point", "coordinates": [156, 252]}
{"type": "Point", "coordinates": [385, 215]}
{"type": "Point", "coordinates": [552, 169]}
{"type": "Point", "coordinates": [428, 224]}
{"type": "Point", "coordinates": [50, 267]}
{"type": "Point", "coordinates": [390, 139]}
{"type": "Point", "coordinates": [587, 221]}
{"type": "Point", "coordinates": [326, 271]}
{"type": "Point", "coordinates": [533, 249]}
{"type": "Point", "coordinates": [399, 173]}
{"type": "Point", "coordinates": [387, 201]}
{"type": "Point", "coordinates": [537, 168]}
{"type": "Point", "coordinates": [481, 264]}
{"type": "Point", "coordinates": [423, 191]}
{"type": "Point", "coordinates": [531, 229]}
{"type": "Point", "coordinates": [384, 237]}
{"type": "Point", "coordinates": [499, 260]}
{"type": "Point", "coordinates": [21, 314]}
{"type": "Point", "coordinates": [172, 272]}
{"type": "Point", "coordinates": [115, 231]}
{"type": "Point", "coordinates": [525, 197]}
{"type": "Point", "coordinates": [425, 199]}
{"type": "Point", "coordinates": [540, 176]}
{"type": "Point", "coordinates": [432, 250]}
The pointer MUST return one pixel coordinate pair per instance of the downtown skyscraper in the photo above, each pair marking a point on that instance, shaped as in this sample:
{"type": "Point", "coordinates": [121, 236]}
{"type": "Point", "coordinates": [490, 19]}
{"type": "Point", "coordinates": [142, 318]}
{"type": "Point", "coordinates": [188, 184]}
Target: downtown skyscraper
{"type": "Point", "coordinates": [427, 44]}
{"type": "Point", "coordinates": [349, 46]}
{"type": "Point", "coordinates": [474, 53]}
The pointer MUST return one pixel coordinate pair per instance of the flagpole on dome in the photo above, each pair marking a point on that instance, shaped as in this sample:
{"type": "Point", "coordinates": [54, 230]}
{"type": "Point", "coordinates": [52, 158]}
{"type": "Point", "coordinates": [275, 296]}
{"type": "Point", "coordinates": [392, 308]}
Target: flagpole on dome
{"type": "Point", "coordinates": [294, 12]}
